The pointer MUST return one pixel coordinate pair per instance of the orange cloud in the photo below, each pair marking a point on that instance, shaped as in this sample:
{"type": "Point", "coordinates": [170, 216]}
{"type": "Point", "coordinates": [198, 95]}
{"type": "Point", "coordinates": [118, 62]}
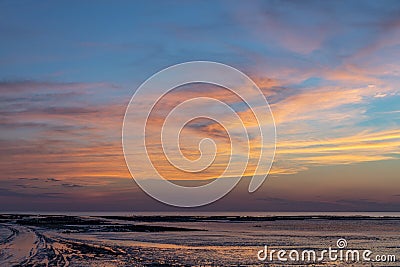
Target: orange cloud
{"type": "Point", "coordinates": [360, 147]}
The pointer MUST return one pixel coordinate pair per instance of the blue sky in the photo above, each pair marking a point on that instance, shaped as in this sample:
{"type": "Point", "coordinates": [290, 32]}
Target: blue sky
{"type": "Point", "coordinates": [329, 69]}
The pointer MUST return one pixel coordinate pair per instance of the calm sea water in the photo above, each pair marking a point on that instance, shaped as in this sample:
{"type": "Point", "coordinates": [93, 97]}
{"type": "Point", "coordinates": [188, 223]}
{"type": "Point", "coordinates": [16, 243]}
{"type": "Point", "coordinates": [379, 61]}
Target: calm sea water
{"type": "Point", "coordinates": [205, 213]}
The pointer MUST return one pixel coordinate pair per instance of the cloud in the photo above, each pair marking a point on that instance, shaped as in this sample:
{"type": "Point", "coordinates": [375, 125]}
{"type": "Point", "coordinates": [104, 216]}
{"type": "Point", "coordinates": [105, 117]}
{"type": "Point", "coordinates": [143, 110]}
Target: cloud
{"type": "Point", "coordinates": [320, 65]}
{"type": "Point", "coordinates": [71, 185]}
{"type": "Point", "coordinates": [17, 87]}
{"type": "Point", "coordinates": [52, 180]}
{"type": "Point", "coordinates": [361, 147]}
{"type": "Point", "coordinates": [12, 194]}
{"type": "Point", "coordinates": [83, 139]}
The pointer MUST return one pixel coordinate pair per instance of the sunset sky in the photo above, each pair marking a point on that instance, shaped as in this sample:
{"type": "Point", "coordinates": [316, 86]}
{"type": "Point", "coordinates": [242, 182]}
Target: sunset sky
{"type": "Point", "coordinates": [330, 71]}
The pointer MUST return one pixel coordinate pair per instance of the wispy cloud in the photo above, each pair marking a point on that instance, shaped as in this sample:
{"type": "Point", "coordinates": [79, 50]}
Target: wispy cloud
{"type": "Point", "coordinates": [329, 70]}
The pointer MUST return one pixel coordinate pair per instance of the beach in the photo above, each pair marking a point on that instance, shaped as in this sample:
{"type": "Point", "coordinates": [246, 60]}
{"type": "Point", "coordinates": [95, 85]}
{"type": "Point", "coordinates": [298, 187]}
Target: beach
{"type": "Point", "coordinates": [176, 240]}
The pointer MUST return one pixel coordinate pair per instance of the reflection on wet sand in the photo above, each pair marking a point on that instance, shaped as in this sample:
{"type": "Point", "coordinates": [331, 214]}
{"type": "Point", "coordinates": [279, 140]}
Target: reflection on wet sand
{"type": "Point", "coordinates": [34, 240]}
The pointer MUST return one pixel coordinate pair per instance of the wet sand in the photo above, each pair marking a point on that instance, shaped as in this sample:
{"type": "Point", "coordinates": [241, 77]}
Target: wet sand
{"type": "Point", "coordinates": [51, 240]}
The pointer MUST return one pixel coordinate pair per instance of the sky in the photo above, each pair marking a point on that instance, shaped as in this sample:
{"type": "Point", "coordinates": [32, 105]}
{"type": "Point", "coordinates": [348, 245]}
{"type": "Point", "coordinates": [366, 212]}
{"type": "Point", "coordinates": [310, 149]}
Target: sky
{"type": "Point", "coordinates": [330, 71]}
